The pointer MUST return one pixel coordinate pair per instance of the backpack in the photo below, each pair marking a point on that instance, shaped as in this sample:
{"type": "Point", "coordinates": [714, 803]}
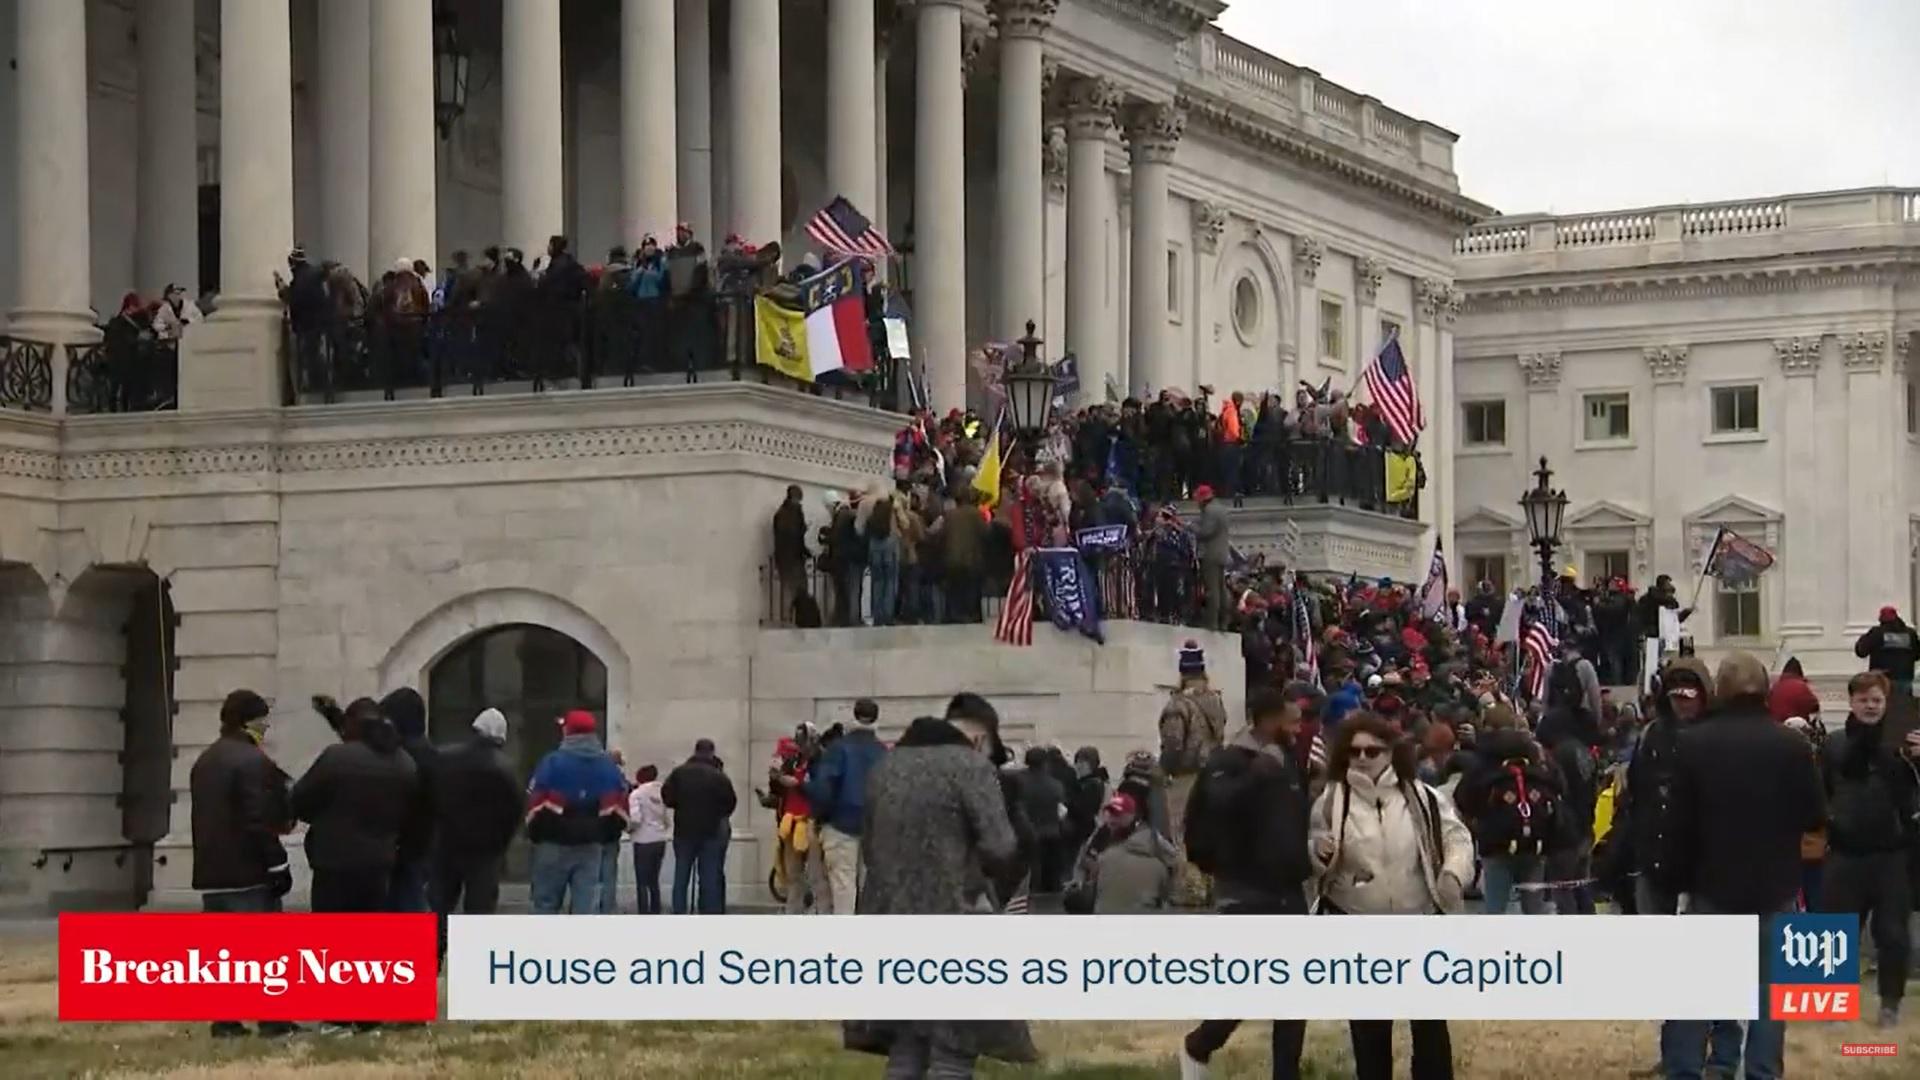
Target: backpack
{"type": "Point", "coordinates": [1187, 736]}
{"type": "Point", "coordinates": [1563, 686]}
{"type": "Point", "coordinates": [1524, 811]}
{"type": "Point", "coordinates": [1216, 828]}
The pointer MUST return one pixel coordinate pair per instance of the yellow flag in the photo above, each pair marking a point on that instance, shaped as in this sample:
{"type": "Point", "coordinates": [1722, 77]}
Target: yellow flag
{"type": "Point", "coordinates": [1402, 477]}
{"type": "Point", "coordinates": [987, 480]}
{"type": "Point", "coordinates": [780, 339]}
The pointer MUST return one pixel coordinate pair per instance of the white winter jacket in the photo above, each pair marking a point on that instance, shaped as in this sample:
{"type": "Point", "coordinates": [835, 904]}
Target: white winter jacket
{"type": "Point", "coordinates": [1392, 843]}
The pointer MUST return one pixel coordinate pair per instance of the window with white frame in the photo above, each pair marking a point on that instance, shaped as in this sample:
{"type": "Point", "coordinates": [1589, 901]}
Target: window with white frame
{"type": "Point", "coordinates": [1607, 416]}
{"type": "Point", "coordinates": [1487, 568]}
{"type": "Point", "coordinates": [1736, 409]}
{"type": "Point", "coordinates": [1604, 566]}
{"type": "Point", "coordinates": [1390, 327]}
{"type": "Point", "coordinates": [1333, 338]}
{"type": "Point", "coordinates": [1483, 423]}
{"type": "Point", "coordinates": [1736, 608]}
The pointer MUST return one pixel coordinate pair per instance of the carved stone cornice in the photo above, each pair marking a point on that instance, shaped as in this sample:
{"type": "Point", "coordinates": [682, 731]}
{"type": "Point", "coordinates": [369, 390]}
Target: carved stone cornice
{"type": "Point", "coordinates": [1209, 221]}
{"type": "Point", "coordinates": [1089, 102]}
{"type": "Point", "coordinates": [1667, 363]}
{"type": "Point", "coordinates": [1690, 283]}
{"type": "Point", "coordinates": [1053, 157]}
{"type": "Point", "coordinates": [347, 455]}
{"type": "Point", "coordinates": [1863, 350]}
{"type": "Point", "coordinates": [1542, 369]}
{"type": "Point", "coordinates": [1022, 18]}
{"type": "Point", "coordinates": [1368, 273]}
{"type": "Point", "coordinates": [1175, 18]}
{"type": "Point", "coordinates": [1430, 296]}
{"type": "Point", "coordinates": [1308, 251]}
{"type": "Point", "coordinates": [1153, 131]}
{"type": "Point", "coordinates": [1258, 131]}
{"type": "Point", "coordinates": [1799, 356]}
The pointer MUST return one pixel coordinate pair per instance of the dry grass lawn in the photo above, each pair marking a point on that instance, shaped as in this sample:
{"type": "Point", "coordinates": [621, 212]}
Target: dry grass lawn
{"type": "Point", "coordinates": [34, 1044]}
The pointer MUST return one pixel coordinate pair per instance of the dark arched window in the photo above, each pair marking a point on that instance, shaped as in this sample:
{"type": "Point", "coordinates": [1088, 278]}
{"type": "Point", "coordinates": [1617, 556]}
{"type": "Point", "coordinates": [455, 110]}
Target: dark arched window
{"type": "Point", "coordinates": [531, 674]}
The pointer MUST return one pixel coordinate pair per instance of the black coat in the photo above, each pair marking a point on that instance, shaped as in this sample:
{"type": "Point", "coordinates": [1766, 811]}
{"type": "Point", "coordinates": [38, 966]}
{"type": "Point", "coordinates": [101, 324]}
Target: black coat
{"type": "Point", "coordinates": [789, 536]}
{"type": "Point", "coordinates": [1041, 793]}
{"type": "Point", "coordinates": [356, 796]}
{"type": "Point", "coordinates": [1745, 789]}
{"type": "Point", "coordinates": [1870, 791]}
{"type": "Point", "coordinates": [1270, 854]}
{"type": "Point", "coordinates": [701, 796]}
{"type": "Point", "coordinates": [478, 798]}
{"type": "Point", "coordinates": [416, 832]}
{"type": "Point", "coordinates": [1646, 801]}
{"type": "Point", "coordinates": [1891, 648]}
{"type": "Point", "coordinates": [239, 813]}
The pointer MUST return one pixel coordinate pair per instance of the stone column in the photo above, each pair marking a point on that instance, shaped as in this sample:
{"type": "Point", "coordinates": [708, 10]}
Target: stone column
{"type": "Point", "coordinates": [1089, 105]}
{"type": "Point", "coordinates": [1368, 274]}
{"type": "Point", "coordinates": [1438, 306]}
{"type": "Point", "coordinates": [1871, 535]}
{"type": "Point", "coordinates": [940, 203]}
{"type": "Point", "coordinates": [693, 120]}
{"type": "Point", "coordinates": [166, 246]}
{"type": "Point", "coordinates": [753, 171]}
{"type": "Point", "coordinates": [346, 28]}
{"type": "Point", "coordinates": [55, 245]}
{"type": "Point", "coordinates": [1020, 261]}
{"type": "Point", "coordinates": [649, 187]}
{"type": "Point", "coordinates": [401, 212]}
{"type": "Point", "coordinates": [852, 104]}
{"type": "Point", "coordinates": [881, 48]}
{"type": "Point", "coordinates": [1153, 134]}
{"type": "Point", "coordinates": [532, 165]}
{"type": "Point", "coordinates": [1307, 253]}
{"type": "Point", "coordinates": [1802, 568]}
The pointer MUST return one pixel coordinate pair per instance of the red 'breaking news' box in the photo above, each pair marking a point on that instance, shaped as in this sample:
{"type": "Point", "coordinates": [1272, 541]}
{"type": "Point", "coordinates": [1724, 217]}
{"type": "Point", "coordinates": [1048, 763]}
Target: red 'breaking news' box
{"type": "Point", "coordinates": [248, 967]}
{"type": "Point", "coordinates": [1830, 1001]}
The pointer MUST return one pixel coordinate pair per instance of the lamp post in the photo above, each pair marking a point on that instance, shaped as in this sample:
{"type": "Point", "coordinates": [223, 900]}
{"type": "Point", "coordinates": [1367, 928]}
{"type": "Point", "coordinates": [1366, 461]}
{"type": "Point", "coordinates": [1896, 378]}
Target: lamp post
{"type": "Point", "coordinates": [1546, 508]}
{"type": "Point", "coordinates": [450, 62]}
{"type": "Point", "coordinates": [1029, 385]}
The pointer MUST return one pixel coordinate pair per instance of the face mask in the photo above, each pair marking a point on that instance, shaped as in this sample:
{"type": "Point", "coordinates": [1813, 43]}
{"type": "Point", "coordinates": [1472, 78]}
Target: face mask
{"type": "Point", "coordinates": [257, 731]}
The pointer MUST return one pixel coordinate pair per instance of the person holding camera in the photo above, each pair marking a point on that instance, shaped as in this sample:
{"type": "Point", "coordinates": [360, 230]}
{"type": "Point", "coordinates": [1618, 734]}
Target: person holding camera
{"type": "Point", "coordinates": [239, 814]}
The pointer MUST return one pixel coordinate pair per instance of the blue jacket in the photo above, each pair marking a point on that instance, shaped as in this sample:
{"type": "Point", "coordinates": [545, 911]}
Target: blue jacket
{"type": "Point", "coordinates": [837, 785]}
{"type": "Point", "coordinates": [1339, 704]}
{"type": "Point", "coordinates": [649, 278]}
{"type": "Point", "coordinates": [577, 795]}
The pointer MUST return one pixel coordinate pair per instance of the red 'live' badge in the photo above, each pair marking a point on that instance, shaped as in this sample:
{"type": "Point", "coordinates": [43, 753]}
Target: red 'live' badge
{"type": "Point", "coordinates": [248, 967]}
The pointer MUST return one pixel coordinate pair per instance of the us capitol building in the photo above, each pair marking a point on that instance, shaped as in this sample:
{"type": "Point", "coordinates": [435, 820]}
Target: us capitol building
{"type": "Point", "coordinates": [1169, 204]}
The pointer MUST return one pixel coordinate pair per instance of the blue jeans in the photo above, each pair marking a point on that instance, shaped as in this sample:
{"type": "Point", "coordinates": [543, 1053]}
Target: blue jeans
{"type": "Point", "coordinates": [407, 888]}
{"type": "Point", "coordinates": [883, 561]}
{"type": "Point", "coordinates": [701, 859]}
{"type": "Point", "coordinates": [1500, 873]}
{"type": "Point", "coordinates": [646, 875]}
{"type": "Point", "coordinates": [609, 876]}
{"type": "Point", "coordinates": [1723, 1036]}
{"type": "Point", "coordinates": [1683, 1043]}
{"type": "Point", "coordinates": [569, 872]}
{"type": "Point", "coordinates": [254, 901]}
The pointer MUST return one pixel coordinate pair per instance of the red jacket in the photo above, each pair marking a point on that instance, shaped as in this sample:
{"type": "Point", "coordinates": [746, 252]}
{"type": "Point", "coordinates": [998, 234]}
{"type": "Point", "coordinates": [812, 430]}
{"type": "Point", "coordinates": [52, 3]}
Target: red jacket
{"type": "Point", "coordinates": [1791, 697]}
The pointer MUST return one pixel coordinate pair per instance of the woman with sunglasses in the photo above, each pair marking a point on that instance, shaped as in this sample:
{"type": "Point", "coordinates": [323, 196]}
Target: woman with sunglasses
{"type": "Point", "coordinates": [1384, 843]}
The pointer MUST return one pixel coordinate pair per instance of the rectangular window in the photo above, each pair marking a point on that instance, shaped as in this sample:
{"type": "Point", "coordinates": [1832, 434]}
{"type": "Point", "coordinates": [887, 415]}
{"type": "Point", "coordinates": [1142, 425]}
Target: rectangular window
{"type": "Point", "coordinates": [1485, 568]}
{"type": "Point", "coordinates": [1390, 328]}
{"type": "Point", "coordinates": [1736, 409]}
{"type": "Point", "coordinates": [1606, 417]}
{"type": "Point", "coordinates": [1737, 609]}
{"type": "Point", "coordinates": [1604, 566]}
{"type": "Point", "coordinates": [1173, 284]}
{"type": "Point", "coordinates": [1483, 423]}
{"type": "Point", "coordinates": [1913, 409]}
{"type": "Point", "coordinates": [1333, 341]}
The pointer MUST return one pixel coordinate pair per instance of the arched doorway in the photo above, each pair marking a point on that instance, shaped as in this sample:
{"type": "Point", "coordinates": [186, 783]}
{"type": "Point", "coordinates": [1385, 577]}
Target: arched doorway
{"type": "Point", "coordinates": [533, 675]}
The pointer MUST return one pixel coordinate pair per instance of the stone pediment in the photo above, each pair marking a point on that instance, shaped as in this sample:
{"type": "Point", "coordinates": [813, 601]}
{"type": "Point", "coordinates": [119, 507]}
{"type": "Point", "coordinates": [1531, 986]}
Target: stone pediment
{"type": "Point", "coordinates": [1602, 514]}
{"type": "Point", "coordinates": [1485, 520]}
{"type": "Point", "coordinates": [1752, 520]}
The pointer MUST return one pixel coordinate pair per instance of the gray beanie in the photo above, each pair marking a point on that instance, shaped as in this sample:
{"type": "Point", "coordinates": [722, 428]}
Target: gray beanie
{"type": "Point", "coordinates": [492, 725]}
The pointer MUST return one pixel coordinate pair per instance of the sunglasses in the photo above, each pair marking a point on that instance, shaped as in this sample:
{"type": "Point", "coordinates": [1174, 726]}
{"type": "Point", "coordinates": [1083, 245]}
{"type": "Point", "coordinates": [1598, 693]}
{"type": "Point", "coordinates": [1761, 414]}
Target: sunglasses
{"type": "Point", "coordinates": [1370, 752]}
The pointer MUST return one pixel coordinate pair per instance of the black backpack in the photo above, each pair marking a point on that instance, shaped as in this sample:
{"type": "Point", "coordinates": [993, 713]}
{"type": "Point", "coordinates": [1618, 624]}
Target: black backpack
{"type": "Point", "coordinates": [1523, 811]}
{"type": "Point", "coordinates": [1563, 686]}
{"type": "Point", "coordinates": [1216, 821]}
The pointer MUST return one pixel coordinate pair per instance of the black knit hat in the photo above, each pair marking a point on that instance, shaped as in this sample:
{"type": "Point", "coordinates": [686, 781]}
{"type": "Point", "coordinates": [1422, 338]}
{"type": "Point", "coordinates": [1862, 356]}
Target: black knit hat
{"type": "Point", "coordinates": [241, 708]}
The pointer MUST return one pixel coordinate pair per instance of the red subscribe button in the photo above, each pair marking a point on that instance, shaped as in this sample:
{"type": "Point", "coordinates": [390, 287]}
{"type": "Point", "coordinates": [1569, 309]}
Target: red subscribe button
{"type": "Point", "coordinates": [248, 967]}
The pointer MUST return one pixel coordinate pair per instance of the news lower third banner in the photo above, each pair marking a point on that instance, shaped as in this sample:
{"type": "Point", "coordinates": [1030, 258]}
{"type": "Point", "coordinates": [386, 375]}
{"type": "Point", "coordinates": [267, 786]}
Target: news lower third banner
{"type": "Point", "coordinates": [1115, 967]}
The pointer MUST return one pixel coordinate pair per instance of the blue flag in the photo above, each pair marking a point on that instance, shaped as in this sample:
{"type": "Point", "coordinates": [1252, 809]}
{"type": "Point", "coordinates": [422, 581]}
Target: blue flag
{"type": "Point", "coordinates": [1101, 538]}
{"type": "Point", "coordinates": [1070, 597]}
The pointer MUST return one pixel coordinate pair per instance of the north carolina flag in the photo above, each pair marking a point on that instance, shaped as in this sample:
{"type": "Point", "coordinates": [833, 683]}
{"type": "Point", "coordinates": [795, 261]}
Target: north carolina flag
{"type": "Point", "coordinates": [835, 301]}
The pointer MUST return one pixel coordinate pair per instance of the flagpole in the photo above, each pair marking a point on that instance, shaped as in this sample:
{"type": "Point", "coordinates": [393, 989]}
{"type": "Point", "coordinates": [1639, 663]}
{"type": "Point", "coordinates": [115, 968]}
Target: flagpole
{"type": "Point", "coordinates": [1706, 567]}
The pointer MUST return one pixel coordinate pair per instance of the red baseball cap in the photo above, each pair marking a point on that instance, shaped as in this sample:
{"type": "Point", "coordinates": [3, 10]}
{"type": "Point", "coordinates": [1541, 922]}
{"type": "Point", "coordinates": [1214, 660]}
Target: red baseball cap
{"type": "Point", "coordinates": [1121, 803]}
{"type": "Point", "coordinates": [1202, 493]}
{"type": "Point", "coordinates": [578, 722]}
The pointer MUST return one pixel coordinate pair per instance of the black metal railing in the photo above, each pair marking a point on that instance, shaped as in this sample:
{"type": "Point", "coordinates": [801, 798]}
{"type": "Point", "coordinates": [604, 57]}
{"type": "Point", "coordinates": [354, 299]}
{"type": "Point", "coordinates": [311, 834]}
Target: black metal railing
{"type": "Point", "coordinates": [1128, 586]}
{"type": "Point", "coordinates": [123, 377]}
{"type": "Point", "coordinates": [608, 338]}
{"type": "Point", "coordinates": [26, 375]}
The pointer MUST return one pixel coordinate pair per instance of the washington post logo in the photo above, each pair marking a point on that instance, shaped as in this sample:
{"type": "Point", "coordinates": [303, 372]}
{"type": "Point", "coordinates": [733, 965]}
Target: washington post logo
{"type": "Point", "coordinates": [1813, 967]}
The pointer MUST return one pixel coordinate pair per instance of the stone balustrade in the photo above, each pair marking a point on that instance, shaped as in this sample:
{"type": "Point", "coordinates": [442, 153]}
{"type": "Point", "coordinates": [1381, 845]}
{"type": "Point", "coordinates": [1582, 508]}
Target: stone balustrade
{"type": "Point", "coordinates": [1816, 221]}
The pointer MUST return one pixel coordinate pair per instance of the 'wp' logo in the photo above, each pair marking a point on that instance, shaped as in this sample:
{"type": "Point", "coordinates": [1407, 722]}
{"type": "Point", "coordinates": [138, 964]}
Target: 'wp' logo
{"type": "Point", "coordinates": [1813, 967]}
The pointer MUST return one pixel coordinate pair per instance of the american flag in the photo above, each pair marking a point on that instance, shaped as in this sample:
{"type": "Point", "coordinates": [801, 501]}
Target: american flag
{"type": "Point", "coordinates": [1539, 646]}
{"type": "Point", "coordinates": [840, 229]}
{"type": "Point", "coordinates": [1390, 384]}
{"type": "Point", "coordinates": [1016, 615]}
{"type": "Point", "coordinates": [1308, 659]}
